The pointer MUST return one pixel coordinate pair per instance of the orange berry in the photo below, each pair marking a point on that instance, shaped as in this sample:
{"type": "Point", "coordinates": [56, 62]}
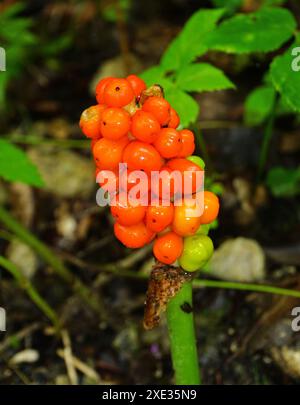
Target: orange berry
{"type": "Point", "coordinates": [115, 123]}
{"type": "Point", "coordinates": [187, 143]}
{"type": "Point", "coordinates": [211, 207]}
{"type": "Point", "coordinates": [125, 211]}
{"type": "Point", "coordinates": [167, 183]}
{"type": "Point", "coordinates": [158, 217]}
{"type": "Point", "coordinates": [137, 84]}
{"type": "Point", "coordinates": [189, 172]}
{"type": "Point", "coordinates": [108, 153]}
{"type": "Point", "coordinates": [186, 222]}
{"type": "Point", "coordinates": [107, 184]}
{"type": "Point", "coordinates": [168, 248]}
{"type": "Point", "coordinates": [174, 119]}
{"type": "Point", "coordinates": [101, 87]}
{"type": "Point", "coordinates": [144, 126]}
{"type": "Point", "coordinates": [134, 236]}
{"type": "Point", "coordinates": [168, 143]}
{"type": "Point", "coordinates": [118, 93]}
{"type": "Point", "coordinates": [159, 107]}
{"type": "Point", "coordinates": [142, 156]}
{"type": "Point", "coordinates": [94, 141]}
{"type": "Point", "coordinates": [90, 121]}
{"type": "Point", "coordinates": [131, 181]}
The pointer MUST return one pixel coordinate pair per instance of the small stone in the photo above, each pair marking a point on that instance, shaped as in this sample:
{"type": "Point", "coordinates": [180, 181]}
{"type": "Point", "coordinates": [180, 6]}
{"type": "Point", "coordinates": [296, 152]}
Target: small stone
{"type": "Point", "coordinates": [23, 257]}
{"type": "Point", "coordinates": [288, 359]}
{"type": "Point", "coordinates": [238, 259]}
{"type": "Point", "coordinates": [25, 356]}
{"type": "Point", "coordinates": [66, 174]}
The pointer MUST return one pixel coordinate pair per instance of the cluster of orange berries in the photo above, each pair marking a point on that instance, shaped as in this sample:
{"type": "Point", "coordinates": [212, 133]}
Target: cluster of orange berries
{"type": "Point", "coordinates": [137, 126]}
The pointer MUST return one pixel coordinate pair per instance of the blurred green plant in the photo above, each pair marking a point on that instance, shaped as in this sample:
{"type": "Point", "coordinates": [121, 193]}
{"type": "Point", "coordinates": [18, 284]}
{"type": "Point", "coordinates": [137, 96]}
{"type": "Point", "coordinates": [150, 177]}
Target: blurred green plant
{"type": "Point", "coordinates": [284, 182]}
{"type": "Point", "coordinates": [16, 166]}
{"type": "Point", "coordinates": [18, 41]}
{"type": "Point", "coordinates": [110, 11]}
{"type": "Point", "coordinates": [23, 47]}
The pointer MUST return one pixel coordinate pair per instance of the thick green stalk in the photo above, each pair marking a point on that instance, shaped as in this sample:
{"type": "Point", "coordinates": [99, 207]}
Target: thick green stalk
{"type": "Point", "coordinates": [50, 258]}
{"type": "Point", "coordinates": [27, 286]}
{"type": "Point", "coordinates": [182, 337]}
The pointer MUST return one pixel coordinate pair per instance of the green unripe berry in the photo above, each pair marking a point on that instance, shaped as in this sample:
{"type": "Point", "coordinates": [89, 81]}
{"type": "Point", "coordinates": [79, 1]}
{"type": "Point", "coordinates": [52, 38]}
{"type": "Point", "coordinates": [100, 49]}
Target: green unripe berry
{"type": "Point", "coordinates": [197, 161]}
{"type": "Point", "coordinates": [197, 250]}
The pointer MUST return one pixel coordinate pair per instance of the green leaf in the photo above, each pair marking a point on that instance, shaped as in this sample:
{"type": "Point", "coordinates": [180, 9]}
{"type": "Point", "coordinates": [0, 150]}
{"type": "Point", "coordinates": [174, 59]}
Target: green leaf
{"type": "Point", "coordinates": [202, 77]}
{"type": "Point", "coordinates": [262, 31]}
{"type": "Point", "coordinates": [184, 104]}
{"type": "Point", "coordinates": [152, 75]}
{"type": "Point", "coordinates": [230, 5]}
{"type": "Point", "coordinates": [186, 107]}
{"type": "Point", "coordinates": [15, 165]}
{"type": "Point", "coordinates": [259, 104]}
{"type": "Point", "coordinates": [284, 182]}
{"type": "Point", "coordinates": [190, 43]}
{"type": "Point", "coordinates": [285, 79]}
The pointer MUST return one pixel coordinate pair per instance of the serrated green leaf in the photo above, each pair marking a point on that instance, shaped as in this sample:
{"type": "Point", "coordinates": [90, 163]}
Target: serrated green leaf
{"type": "Point", "coordinates": [152, 75]}
{"type": "Point", "coordinates": [285, 80]}
{"type": "Point", "coordinates": [183, 103]}
{"type": "Point", "coordinates": [202, 77]}
{"type": "Point", "coordinates": [15, 165]}
{"type": "Point", "coordinates": [284, 182]}
{"type": "Point", "coordinates": [262, 31]}
{"type": "Point", "coordinates": [259, 104]}
{"type": "Point", "coordinates": [190, 43]}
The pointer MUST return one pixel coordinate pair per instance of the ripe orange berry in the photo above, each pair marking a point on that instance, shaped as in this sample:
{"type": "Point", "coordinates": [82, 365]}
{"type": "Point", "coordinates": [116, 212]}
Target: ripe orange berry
{"type": "Point", "coordinates": [118, 93]}
{"type": "Point", "coordinates": [187, 143]}
{"type": "Point", "coordinates": [134, 236]}
{"type": "Point", "coordinates": [174, 119]}
{"type": "Point", "coordinates": [94, 141]}
{"type": "Point", "coordinates": [90, 121]}
{"type": "Point", "coordinates": [101, 87]}
{"type": "Point", "coordinates": [142, 156]}
{"type": "Point", "coordinates": [137, 84]}
{"type": "Point", "coordinates": [168, 248]}
{"type": "Point", "coordinates": [107, 184]}
{"type": "Point", "coordinates": [131, 181]}
{"type": "Point", "coordinates": [168, 143]}
{"type": "Point", "coordinates": [115, 123]}
{"type": "Point", "coordinates": [145, 126]}
{"type": "Point", "coordinates": [186, 222]}
{"type": "Point", "coordinates": [159, 107]}
{"type": "Point", "coordinates": [189, 172]}
{"type": "Point", "coordinates": [168, 184]}
{"type": "Point", "coordinates": [108, 153]}
{"type": "Point", "coordinates": [211, 207]}
{"type": "Point", "coordinates": [158, 217]}
{"type": "Point", "coordinates": [125, 211]}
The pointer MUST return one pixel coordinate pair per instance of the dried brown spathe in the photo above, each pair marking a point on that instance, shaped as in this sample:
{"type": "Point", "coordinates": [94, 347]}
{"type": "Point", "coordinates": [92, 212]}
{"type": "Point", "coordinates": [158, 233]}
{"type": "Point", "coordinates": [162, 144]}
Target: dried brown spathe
{"type": "Point", "coordinates": [164, 283]}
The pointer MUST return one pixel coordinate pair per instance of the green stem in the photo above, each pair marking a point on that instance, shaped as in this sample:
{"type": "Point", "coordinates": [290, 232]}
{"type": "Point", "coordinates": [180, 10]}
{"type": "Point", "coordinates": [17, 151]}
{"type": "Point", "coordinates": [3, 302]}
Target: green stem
{"type": "Point", "coordinates": [260, 288]}
{"type": "Point", "coordinates": [50, 258]}
{"type": "Point", "coordinates": [114, 269]}
{"type": "Point", "coordinates": [26, 285]}
{"type": "Point", "coordinates": [264, 152]}
{"type": "Point", "coordinates": [182, 337]}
